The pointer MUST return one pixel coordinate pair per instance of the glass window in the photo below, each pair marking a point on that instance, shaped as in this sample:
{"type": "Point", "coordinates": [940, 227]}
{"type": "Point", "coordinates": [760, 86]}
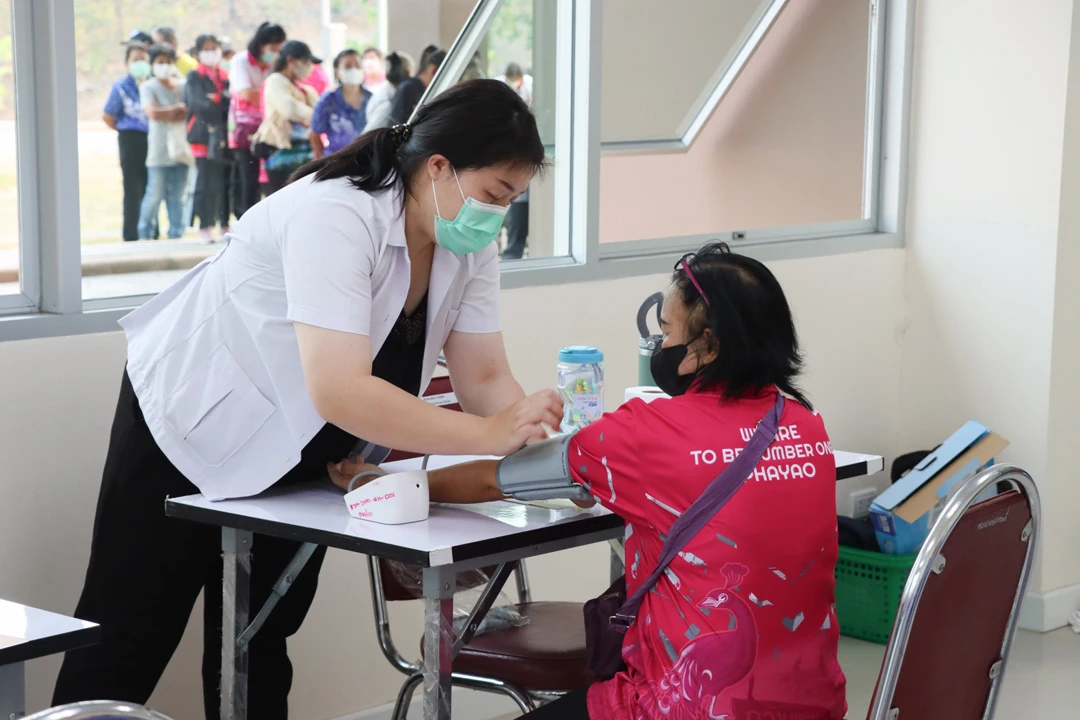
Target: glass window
{"type": "Point", "coordinates": [11, 285]}
{"type": "Point", "coordinates": [661, 62]}
{"type": "Point", "coordinates": [519, 48]}
{"type": "Point", "coordinates": [785, 145]}
{"type": "Point", "coordinates": [120, 258]}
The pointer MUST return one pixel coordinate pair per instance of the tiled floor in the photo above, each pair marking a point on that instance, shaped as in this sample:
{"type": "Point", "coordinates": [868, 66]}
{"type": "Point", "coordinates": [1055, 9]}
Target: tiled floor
{"type": "Point", "coordinates": [1042, 680]}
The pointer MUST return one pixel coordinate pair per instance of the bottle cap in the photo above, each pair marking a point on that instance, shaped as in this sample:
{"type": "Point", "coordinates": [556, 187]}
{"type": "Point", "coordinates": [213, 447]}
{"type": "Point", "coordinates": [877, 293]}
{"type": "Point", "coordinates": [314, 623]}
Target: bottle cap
{"type": "Point", "coordinates": [581, 355]}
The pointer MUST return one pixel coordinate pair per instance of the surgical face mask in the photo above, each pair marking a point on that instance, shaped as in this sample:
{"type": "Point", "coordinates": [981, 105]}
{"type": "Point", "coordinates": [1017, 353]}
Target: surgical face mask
{"type": "Point", "coordinates": [352, 76]}
{"type": "Point", "coordinates": [224, 65]}
{"type": "Point", "coordinates": [269, 57]}
{"type": "Point", "coordinates": [163, 71]}
{"type": "Point", "coordinates": [372, 66]}
{"type": "Point", "coordinates": [210, 58]}
{"type": "Point", "coordinates": [476, 226]}
{"type": "Point", "coordinates": [303, 70]}
{"type": "Point", "coordinates": [665, 370]}
{"type": "Point", "coordinates": [140, 69]}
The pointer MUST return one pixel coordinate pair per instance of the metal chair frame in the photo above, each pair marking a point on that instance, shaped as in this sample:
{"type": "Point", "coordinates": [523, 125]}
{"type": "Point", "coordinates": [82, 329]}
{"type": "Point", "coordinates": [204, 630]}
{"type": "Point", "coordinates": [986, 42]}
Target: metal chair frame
{"type": "Point", "coordinates": [98, 710]}
{"type": "Point", "coordinates": [527, 700]}
{"type": "Point", "coordinates": [927, 562]}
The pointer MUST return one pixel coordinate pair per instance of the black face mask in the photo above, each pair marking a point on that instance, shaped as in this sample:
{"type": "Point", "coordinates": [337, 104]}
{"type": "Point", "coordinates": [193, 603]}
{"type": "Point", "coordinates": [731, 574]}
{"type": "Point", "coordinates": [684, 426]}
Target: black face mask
{"type": "Point", "coordinates": [665, 370]}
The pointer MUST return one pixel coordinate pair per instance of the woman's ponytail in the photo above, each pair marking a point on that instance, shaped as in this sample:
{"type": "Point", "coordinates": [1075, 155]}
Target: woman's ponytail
{"type": "Point", "coordinates": [476, 124]}
{"type": "Point", "coordinates": [370, 162]}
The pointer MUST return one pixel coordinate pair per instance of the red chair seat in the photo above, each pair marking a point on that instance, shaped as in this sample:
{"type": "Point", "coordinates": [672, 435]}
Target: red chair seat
{"type": "Point", "coordinates": [546, 654]}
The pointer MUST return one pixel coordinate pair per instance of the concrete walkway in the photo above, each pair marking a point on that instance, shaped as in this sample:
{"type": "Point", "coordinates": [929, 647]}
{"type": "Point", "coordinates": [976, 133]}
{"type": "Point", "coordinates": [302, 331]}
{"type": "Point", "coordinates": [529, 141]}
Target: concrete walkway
{"type": "Point", "coordinates": [121, 257]}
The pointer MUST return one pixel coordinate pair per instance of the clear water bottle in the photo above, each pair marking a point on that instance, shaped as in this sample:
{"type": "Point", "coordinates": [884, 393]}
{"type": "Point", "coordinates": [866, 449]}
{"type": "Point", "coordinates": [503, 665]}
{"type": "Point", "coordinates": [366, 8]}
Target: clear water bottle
{"type": "Point", "coordinates": [581, 383]}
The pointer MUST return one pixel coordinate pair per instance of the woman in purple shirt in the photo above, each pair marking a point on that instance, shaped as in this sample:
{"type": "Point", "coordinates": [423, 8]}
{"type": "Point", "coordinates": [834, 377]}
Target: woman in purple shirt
{"type": "Point", "coordinates": [340, 114]}
{"type": "Point", "coordinates": [124, 113]}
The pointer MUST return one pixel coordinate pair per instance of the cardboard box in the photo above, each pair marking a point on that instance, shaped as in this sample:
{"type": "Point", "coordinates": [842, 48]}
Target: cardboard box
{"type": "Point", "coordinates": [902, 515]}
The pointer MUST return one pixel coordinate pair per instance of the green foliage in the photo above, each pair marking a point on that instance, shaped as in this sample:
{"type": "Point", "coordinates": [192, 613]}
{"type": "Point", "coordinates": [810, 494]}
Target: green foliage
{"type": "Point", "coordinates": [510, 37]}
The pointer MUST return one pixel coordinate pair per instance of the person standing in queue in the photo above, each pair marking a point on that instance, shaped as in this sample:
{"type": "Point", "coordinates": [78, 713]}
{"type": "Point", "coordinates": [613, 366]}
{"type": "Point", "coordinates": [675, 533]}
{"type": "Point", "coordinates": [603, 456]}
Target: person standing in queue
{"type": "Point", "coordinates": [283, 141]}
{"type": "Point", "coordinates": [124, 113]}
{"type": "Point", "coordinates": [319, 323]}
{"type": "Point", "coordinates": [340, 114]}
{"type": "Point", "coordinates": [410, 92]}
{"type": "Point", "coordinates": [247, 73]}
{"type": "Point", "coordinates": [208, 108]}
{"type": "Point", "coordinates": [377, 110]}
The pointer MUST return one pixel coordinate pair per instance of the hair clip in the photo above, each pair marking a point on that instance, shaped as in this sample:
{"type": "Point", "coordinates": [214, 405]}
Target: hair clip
{"type": "Point", "coordinates": [401, 133]}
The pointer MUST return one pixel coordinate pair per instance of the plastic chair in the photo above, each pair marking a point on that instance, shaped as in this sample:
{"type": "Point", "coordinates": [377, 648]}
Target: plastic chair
{"type": "Point", "coordinates": [958, 612]}
{"type": "Point", "coordinates": [98, 710]}
{"type": "Point", "coordinates": [531, 665]}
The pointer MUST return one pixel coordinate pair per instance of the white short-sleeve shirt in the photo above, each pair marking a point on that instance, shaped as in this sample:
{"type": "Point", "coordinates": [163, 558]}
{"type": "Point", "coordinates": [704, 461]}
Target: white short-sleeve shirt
{"type": "Point", "coordinates": [214, 359]}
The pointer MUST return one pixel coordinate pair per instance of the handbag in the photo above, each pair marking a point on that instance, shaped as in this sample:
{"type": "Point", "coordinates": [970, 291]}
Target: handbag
{"type": "Point", "coordinates": [608, 617]}
{"type": "Point", "coordinates": [177, 145]}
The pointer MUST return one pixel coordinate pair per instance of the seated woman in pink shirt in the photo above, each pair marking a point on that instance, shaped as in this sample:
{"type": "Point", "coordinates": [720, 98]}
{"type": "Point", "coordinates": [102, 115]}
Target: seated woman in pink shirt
{"type": "Point", "coordinates": [742, 623]}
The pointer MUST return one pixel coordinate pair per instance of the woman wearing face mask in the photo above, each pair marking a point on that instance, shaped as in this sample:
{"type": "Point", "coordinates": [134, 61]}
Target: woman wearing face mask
{"type": "Point", "coordinates": [247, 73]}
{"type": "Point", "coordinates": [163, 102]}
{"type": "Point", "coordinates": [288, 105]}
{"type": "Point", "coordinates": [742, 623]}
{"type": "Point", "coordinates": [123, 113]}
{"type": "Point", "coordinates": [399, 67]}
{"type": "Point", "coordinates": [208, 109]}
{"type": "Point", "coordinates": [340, 115]}
{"type": "Point", "coordinates": [319, 324]}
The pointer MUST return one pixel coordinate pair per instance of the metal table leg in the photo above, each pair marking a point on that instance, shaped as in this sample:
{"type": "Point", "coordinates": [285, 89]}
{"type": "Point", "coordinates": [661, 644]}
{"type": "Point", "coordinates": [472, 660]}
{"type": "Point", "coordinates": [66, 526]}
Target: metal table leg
{"type": "Point", "coordinates": [12, 691]}
{"type": "Point", "coordinates": [439, 638]}
{"type": "Point", "coordinates": [235, 601]}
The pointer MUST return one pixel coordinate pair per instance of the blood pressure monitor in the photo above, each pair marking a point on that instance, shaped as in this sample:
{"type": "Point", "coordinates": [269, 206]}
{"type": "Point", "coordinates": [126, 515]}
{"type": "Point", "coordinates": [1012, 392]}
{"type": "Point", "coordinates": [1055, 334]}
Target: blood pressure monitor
{"type": "Point", "coordinates": [540, 471]}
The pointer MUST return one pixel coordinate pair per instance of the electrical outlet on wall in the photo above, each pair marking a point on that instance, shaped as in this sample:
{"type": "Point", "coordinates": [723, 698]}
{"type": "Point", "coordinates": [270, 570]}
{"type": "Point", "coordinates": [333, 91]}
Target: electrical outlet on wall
{"type": "Point", "coordinates": [861, 500]}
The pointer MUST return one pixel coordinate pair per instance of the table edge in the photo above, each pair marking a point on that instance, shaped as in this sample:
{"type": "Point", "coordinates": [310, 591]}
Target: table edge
{"type": "Point", "coordinates": [51, 645]}
{"type": "Point", "coordinates": [481, 548]}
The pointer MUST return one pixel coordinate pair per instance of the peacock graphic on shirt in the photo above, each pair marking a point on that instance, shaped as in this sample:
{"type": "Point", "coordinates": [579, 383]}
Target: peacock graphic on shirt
{"type": "Point", "coordinates": [709, 663]}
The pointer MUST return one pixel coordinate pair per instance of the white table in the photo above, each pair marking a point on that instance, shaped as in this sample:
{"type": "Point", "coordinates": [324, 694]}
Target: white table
{"type": "Point", "coordinates": [27, 633]}
{"type": "Point", "coordinates": [453, 539]}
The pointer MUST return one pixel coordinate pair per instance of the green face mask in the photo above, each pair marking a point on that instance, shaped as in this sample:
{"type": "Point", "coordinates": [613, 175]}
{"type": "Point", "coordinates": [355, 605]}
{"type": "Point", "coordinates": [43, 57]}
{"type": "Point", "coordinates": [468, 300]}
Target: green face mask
{"type": "Point", "coordinates": [140, 69]}
{"type": "Point", "coordinates": [476, 226]}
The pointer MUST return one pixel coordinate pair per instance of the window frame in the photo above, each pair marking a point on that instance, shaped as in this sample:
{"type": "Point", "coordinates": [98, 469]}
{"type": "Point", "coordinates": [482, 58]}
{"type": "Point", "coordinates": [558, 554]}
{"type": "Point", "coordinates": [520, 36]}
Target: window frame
{"type": "Point", "coordinates": [52, 303]}
{"type": "Point", "coordinates": [29, 296]}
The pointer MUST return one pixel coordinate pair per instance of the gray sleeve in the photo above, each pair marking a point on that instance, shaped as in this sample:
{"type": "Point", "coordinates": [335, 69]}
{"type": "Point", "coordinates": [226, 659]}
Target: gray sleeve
{"type": "Point", "coordinates": [540, 471]}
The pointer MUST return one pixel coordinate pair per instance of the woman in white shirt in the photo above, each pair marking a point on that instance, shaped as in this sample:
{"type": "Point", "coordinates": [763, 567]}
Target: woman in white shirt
{"type": "Point", "coordinates": [318, 324]}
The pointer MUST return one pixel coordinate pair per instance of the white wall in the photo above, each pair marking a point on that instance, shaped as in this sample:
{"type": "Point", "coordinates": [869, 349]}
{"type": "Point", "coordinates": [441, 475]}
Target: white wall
{"type": "Point", "coordinates": [1061, 569]}
{"type": "Point", "coordinates": [659, 58]}
{"type": "Point", "coordinates": [983, 236]}
{"type": "Point", "coordinates": [784, 147]}
{"type": "Point", "coordinates": [58, 397]}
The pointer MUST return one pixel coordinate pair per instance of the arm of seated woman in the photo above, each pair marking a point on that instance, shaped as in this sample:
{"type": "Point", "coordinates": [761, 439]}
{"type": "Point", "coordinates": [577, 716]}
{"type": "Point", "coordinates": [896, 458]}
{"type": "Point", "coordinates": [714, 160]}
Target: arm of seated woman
{"type": "Point", "coordinates": [473, 482]}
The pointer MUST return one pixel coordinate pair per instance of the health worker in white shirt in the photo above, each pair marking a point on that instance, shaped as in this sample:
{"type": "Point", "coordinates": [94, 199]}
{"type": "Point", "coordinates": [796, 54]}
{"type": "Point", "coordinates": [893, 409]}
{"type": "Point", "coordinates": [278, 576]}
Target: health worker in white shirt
{"type": "Point", "coordinates": [306, 340]}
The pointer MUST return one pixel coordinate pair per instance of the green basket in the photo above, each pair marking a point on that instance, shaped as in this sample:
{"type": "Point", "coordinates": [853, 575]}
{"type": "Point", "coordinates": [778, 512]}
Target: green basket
{"type": "Point", "coordinates": [868, 590]}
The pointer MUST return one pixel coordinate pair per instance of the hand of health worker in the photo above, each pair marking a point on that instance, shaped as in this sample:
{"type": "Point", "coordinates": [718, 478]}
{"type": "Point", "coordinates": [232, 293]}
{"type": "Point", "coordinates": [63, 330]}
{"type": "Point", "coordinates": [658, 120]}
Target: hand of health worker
{"type": "Point", "coordinates": [343, 472]}
{"type": "Point", "coordinates": [523, 422]}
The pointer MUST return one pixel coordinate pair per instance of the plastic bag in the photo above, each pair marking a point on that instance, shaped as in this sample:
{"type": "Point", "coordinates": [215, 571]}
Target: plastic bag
{"type": "Point", "coordinates": [470, 586]}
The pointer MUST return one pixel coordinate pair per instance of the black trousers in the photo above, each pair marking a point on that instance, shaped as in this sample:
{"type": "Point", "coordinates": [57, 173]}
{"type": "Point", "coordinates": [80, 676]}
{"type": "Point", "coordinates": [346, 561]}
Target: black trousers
{"type": "Point", "coordinates": [278, 180]}
{"type": "Point", "coordinates": [247, 185]}
{"type": "Point", "coordinates": [211, 186]}
{"type": "Point", "coordinates": [517, 230]}
{"type": "Point", "coordinates": [572, 706]}
{"type": "Point", "coordinates": [133, 170]}
{"type": "Point", "coordinates": [232, 188]}
{"type": "Point", "coordinates": [146, 570]}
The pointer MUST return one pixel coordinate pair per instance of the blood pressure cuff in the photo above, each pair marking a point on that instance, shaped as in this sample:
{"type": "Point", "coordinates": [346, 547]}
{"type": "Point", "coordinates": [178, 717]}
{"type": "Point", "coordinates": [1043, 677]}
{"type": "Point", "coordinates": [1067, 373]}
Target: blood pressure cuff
{"type": "Point", "coordinates": [540, 471]}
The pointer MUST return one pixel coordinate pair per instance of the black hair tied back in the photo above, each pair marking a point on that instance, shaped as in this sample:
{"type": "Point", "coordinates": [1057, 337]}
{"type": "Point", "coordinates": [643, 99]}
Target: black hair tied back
{"type": "Point", "coordinates": [477, 124]}
{"type": "Point", "coordinates": [401, 133]}
{"type": "Point", "coordinates": [750, 324]}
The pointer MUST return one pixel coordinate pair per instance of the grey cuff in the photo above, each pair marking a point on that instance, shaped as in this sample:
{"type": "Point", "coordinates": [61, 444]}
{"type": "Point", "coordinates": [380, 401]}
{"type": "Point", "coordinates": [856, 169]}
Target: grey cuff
{"type": "Point", "coordinates": [540, 471]}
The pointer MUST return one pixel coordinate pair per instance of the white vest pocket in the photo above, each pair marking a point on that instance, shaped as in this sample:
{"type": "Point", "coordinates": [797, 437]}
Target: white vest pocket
{"type": "Point", "coordinates": [217, 409]}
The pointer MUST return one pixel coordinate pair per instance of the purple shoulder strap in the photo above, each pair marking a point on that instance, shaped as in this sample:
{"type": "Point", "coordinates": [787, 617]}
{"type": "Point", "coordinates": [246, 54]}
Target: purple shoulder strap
{"type": "Point", "coordinates": [698, 515]}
